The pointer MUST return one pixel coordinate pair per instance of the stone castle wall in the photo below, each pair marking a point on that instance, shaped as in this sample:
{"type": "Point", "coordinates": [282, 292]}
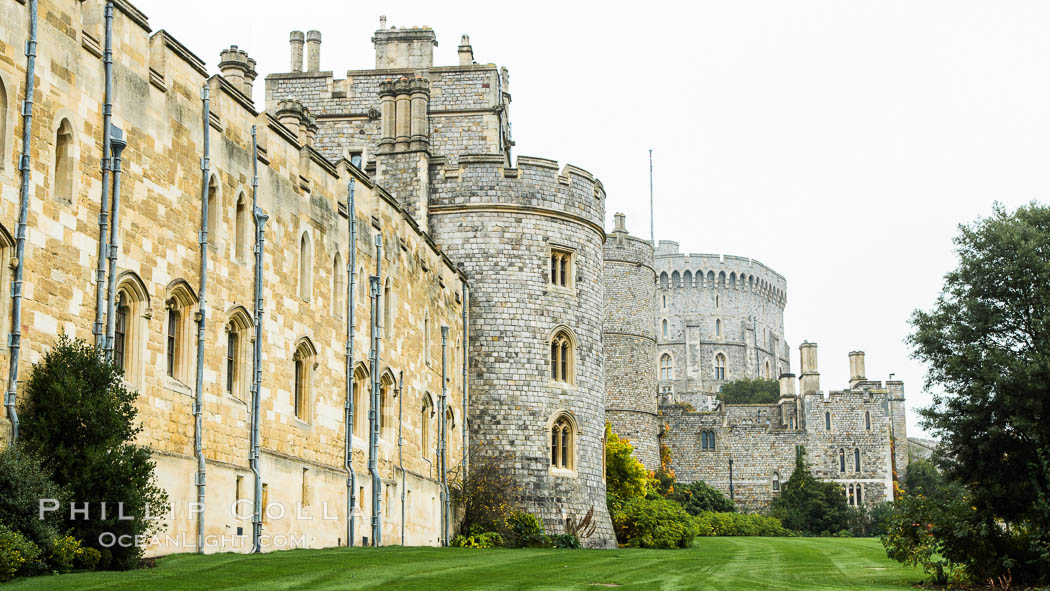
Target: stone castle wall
{"type": "Point", "coordinates": [499, 223]}
{"type": "Point", "coordinates": [717, 304]}
{"type": "Point", "coordinates": [630, 343]}
{"type": "Point", "coordinates": [157, 103]}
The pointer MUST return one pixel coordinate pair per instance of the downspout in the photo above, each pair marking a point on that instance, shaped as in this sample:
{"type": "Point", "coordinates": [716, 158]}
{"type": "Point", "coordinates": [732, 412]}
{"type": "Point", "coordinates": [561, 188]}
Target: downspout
{"type": "Point", "coordinates": [351, 478]}
{"type": "Point", "coordinates": [14, 340]}
{"type": "Point", "coordinates": [202, 311]}
{"type": "Point", "coordinates": [444, 434]}
{"type": "Point", "coordinates": [373, 413]}
{"type": "Point", "coordinates": [260, 223]}
{"type": "Point", "coordinates": [400, 443]}
{"type": "Point", "coordinates": [103, 214]}
{"type": "Point", "coordinates": [117, 145]}
{"type": "Point", "coordinates": [463, 385]}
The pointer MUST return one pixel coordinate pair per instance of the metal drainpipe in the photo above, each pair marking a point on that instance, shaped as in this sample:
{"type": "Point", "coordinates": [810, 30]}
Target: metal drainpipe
{"type": "Point", "coordinates": [260, 223]}
{"type": "Point", "coordinates": [103, 214]}
{"type": "Point", "coordinates": [14, 339]}
{"type": "Point", "coordinates": [117, 145]}
{"type": "Point", "coordinates": [202, 311]}
{"type": "Point", "coordinates": [373, 413]}
{"type": "Point", "coordinates": [351, 477]}
{"type": "Point", "coordinates": [444, 436]}
{"type": "Point", "coordinates": [463, 385]}
{"type": "Point", "coordinates": [400, 443]}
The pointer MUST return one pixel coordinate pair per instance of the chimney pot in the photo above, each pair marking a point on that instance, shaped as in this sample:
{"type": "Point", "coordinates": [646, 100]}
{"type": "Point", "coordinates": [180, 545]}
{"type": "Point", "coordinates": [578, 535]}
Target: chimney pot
{"type": "Point", "coordinates": [313, 51]}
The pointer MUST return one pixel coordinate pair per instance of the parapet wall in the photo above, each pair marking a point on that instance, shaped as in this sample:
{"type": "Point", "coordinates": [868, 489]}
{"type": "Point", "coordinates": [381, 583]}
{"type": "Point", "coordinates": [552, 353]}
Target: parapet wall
{"type": "Point", "coordinates": [486, 182]}
{"type": "Point", "coordinates": [713, 270]}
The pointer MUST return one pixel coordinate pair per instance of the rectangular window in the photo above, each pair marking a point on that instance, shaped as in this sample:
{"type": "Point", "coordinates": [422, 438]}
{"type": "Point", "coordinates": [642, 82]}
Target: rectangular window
{"type": "Point", "coordinates": [561, 267]}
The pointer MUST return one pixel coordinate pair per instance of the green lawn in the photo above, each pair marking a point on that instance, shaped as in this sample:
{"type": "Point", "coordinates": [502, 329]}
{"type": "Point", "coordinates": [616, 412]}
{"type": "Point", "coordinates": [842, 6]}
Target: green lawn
{"type": "Point", "coordinates": [712, 563]}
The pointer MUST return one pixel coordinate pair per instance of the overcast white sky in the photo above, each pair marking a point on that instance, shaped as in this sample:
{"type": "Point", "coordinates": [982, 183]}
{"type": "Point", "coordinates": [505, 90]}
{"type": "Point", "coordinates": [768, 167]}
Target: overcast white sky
{"type": "Point", "coordinates": [839, 142]}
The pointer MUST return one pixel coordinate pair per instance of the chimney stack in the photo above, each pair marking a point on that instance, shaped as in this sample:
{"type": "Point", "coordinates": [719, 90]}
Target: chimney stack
{"type": "Point", "coordinates": [313, 51]}
{"type": "Point", "coordinates": [296, 41]}
{"type": "Point", "coordinates": [466, 52]}
{"type": "Point", "coordinates": [238, 69]}
{"type": "Point", "coordinates": [856, 368]}
{"type": "Point", "coordinates": [810, 380]}
{"type": "Point", "coordinates": [619, 222]}
{"type": "Point", "coordinates": [787, 385]}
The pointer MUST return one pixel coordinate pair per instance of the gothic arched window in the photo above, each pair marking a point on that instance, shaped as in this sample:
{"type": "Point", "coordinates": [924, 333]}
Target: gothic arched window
{"type": "Point", "coordinates": [720, 367]}
{"type": "Point", "coordinates": [563, 443]}
{"type": "Point", "coordinates": [665, 367]}
{"type": "Point", "coordinates": [562, 358]}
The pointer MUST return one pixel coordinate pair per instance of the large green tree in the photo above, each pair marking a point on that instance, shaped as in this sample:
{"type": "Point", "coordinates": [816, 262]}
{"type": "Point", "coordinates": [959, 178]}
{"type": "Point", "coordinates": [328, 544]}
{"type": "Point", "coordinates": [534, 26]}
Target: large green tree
{"type": "Point", "coordinates": [986, 343]}
{"type": "Point", "coordinates": [80, 419]}
{"type": "Point", "coordinates": [810, 506]}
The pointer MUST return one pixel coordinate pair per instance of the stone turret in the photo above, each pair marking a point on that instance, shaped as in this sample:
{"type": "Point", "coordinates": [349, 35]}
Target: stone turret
{"type": "Point", "coordinates": [403, 161]}
{"type": "Point", "coordinates": [238, 69]}
{"type": "Point", "coordinates": [404, 48]}
{"type": "Point", "coordinates": [856, 368]}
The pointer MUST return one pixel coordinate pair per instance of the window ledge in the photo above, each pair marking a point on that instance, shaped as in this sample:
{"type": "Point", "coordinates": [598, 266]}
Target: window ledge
{"type": "Point", "coordinates": [563, 472]}
{"type": "Point", "coordinates": [302, 423]}
{"type": "Point", "coordinates": [176, 385]}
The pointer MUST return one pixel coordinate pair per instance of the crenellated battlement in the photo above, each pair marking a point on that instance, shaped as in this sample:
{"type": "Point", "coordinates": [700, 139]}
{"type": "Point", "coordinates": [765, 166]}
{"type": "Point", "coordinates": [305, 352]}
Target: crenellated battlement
{"type": "Point", "coordinates": [485, 181]}
{"type": "Point", "coordinates": [693, 271]}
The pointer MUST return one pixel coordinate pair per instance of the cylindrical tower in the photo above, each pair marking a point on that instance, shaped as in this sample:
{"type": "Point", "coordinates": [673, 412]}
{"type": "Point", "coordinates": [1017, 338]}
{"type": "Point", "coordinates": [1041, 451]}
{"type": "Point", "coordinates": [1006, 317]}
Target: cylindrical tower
{"type": "Point", "coordinates": [530, 241]}
{"type": "Point", "coordinates": [630, 343]}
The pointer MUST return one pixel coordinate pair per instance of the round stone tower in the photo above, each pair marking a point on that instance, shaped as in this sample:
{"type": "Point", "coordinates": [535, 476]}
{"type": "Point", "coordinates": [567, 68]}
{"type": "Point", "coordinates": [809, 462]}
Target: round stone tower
{"type": "Point", "coordinates": [630, 342]}
{"type": "Point", "coordinates": [530, 241]}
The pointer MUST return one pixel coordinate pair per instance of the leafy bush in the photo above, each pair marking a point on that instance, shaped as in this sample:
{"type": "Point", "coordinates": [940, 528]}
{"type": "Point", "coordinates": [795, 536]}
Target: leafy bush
{"type": "Point", "coordinates": [24, 482]}
{"type": "Point", "coordinates": [62, 552]}
{"type": "Point", "coordinates": [699, 497]}
{"type": "Point", "coordinates": [564, 541]}
{"type": "Point", "coordinates": [625, 476]}
{"type": "Point", "coordinates": [487, 493]}
{"type": "Point", "coordinates": [709, 523]}
{"type": "Point", "coordinates": [653, 523]}
{"type": "Point", "coordinates": [18, 555]}
{"type": "Point", "coordinates": [750, 391]}
{"type": "Point", "coordinates": [87, 558]}
{"type": "Point", "coordinates": [810, 506]}
{"type": "Point", "coordinates": [489, 539]}
{"type": "Point", "coordinates": [525, 531]}
{"type": "Point", "coordinates": [81, 420]}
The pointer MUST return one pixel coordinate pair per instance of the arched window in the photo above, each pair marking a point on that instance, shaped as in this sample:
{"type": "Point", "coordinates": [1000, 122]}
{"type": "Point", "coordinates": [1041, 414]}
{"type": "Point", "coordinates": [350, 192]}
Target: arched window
{"type": "Point", "coordinates": [130, 327]}
{"type": "Point", "coordinates": [663, 280]}
{"type": "Point", "coordinates": [860, 499]}
{"type": "Point", "coordinates": [305, 267]}
{"type": "Point", "coordinates": [665, 367]}
{"type": "Point", "coordinates": [842, 460]}
{"type": "Point", "coordinates": [241, 229]}
{"type": "Point", "coordinates": [776, 482]}
{"type": "Point", "coordinates": [703, 440]}
{"type": "Point", "coordinates": [676, 279]}
{"type": "Point", "coordinates": [563, 366]}
{"type": "Point", "coordinates": [721, 279]}
{"type": "Point", "coordinates": [718, 327]}
{"type": "Point", "coordinates": [827, 421]}
{"type": "Point", "coordinates": [720, 367]}
{"type": "Point", "coordinates": [687, 279]}
{"type": "Point", "coordinates": [711, 440]}
{"type": "Point", "coordinates": [710, 278]}
{"type": "Point", "coordinates": [767, 371]}
{"type": "Point", "coordinates": [120, 330]}
{"type": "Point", "coordinates": [867, 420]}
{"type": "Point", "coordinates": [362, 386]}
{"type": "Point", "coordinates": [561, 267]}
{"type": "Point", "coordinates": [425, 416]}
{"type": "Point", "coordinates": [304, 366]}
{"type": "Point", "coordinates": [563, 443]}
{"type": "Point", "coordinates": [64, 162]}
{"type": "Point", "coordinates": [663, 328]}
{"type": "Point", "coordinates": [851, 500]}
{"type": "Point", "coordinates": [338, 286]}
{"type": "Point", "coordinates": [179, 334]}
{"type": "Point", "coordinates": [238, 344]}
{"type": "Point", "coordinates": [856, 459]}
{"type": "Point", "coordinates": [214, 212]}
{"type": "Point", "coordinates": [3, 126]}
{"type": "Point", "coordinates": [384, 414]}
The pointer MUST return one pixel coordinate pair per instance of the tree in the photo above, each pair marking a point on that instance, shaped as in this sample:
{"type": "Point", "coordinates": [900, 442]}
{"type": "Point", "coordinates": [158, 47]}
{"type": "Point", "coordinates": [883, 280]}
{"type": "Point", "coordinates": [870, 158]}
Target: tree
{"type": "Point", "coordinates": [809, 505]}
{"type": "Point", "coordinates": [487, 493]}
{"type": "Point", "coordinates": [625, 476]}
{"type": "Point", "coordinates": [81, 420]}
{"type": "Point", "coordinates": [24, 482]}
{"type": "Point", "coordinates": [986, 343]}
{"type": "Point", "coordinates": [750, 391]}
{"type": "Point", "coordinates": [697, 497]}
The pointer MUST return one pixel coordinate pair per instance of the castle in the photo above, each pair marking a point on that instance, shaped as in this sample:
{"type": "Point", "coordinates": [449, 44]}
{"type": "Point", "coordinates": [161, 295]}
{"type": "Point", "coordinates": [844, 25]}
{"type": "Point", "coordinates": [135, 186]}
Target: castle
{"type": "Point", "coordinates": [326, 304]}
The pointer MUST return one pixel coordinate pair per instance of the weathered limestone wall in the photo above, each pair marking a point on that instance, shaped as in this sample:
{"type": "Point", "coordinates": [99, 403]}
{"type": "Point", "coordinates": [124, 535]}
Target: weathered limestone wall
{"type": "Point", "coordinates": [744, 297]}
{"type": "Point", "coordinates": [500, 224]}
{"type": "Point", "coordinates": [157, 84]}
{"type": "Point", "coordinates": [630, 343]}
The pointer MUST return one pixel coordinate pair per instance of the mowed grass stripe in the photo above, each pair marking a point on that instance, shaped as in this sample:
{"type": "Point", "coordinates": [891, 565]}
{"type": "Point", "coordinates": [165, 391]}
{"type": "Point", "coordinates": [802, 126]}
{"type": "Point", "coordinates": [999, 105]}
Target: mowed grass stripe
{"type": "Point", "coordinates": [711, 563]}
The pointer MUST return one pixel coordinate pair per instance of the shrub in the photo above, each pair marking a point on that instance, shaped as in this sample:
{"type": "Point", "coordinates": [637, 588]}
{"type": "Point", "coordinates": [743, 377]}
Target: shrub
{"type": "Point", "coordinates": [24, 482]}
{"type": "Point", "coordinates": [62, 552]}
{"type": "Point", "coordinates": [525, 531]}
{"type": "Point", "coordinates": [564, 541]}
{"type": "Point", "coordinates": [18, 555]}
{"type": "Point", "coordinates": [81, 420]}
{"type": "Point", "coordinates": [810, 506]}
{"type": "Point", "coordinates": [698, 497]}
{"type": "Point", "coordinates": [489, 539]}
{"type": "Point", "coordinates": [653, 523]}
{"type": "Point", "coordinates": [750, 391]}
{"type": "Point", "coordinates": [710, 523]}
{"type": "Point", "coordinates": [625, 476]}
{"type": "Point", "coordinates": [487, 493]}
{"type": "Point", "coordinates": [86, 558]}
